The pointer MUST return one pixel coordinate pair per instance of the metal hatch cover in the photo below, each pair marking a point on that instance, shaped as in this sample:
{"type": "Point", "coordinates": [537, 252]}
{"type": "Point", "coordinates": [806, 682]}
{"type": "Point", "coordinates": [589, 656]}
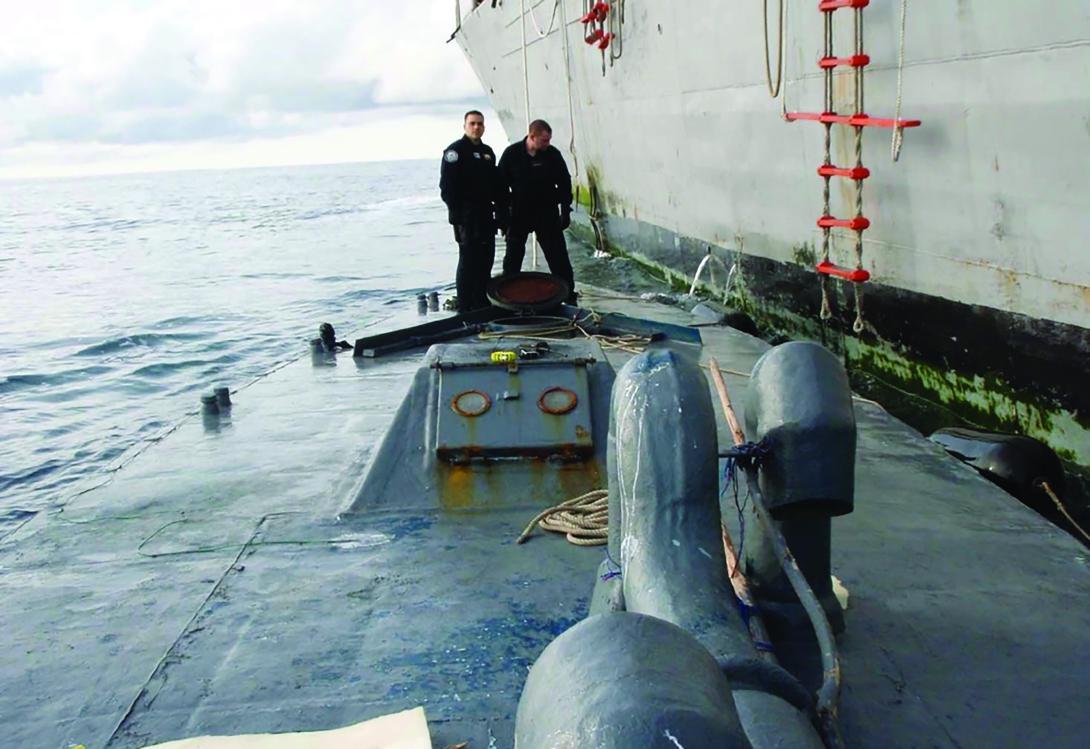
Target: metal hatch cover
{"type": "Point", "coordinates": [534, 410]}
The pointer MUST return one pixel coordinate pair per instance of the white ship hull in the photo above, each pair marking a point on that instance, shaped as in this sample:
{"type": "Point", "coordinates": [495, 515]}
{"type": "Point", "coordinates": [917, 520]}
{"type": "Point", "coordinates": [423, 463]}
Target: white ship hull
{"type": "Point", "coordinates": [984, 218]}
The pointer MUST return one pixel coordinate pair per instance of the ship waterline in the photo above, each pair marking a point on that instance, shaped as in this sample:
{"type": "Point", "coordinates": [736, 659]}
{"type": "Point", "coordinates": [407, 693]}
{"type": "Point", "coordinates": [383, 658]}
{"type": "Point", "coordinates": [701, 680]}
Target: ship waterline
{"type": "Point", "coordinates": [979, 296]}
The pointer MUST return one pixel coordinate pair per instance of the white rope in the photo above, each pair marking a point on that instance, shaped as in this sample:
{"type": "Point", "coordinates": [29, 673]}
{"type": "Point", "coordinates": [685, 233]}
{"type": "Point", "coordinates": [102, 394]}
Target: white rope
{"type": "Point", "coordinates": [899, 132]}
{"type": "Point", "coordinates": [525, 67]}
{"type": "Point", "coordinates": [567, 77]}
{"type": "Point", "coordinates": [526, 94]}
{"type": "Point", "coordinates": [552, 21]}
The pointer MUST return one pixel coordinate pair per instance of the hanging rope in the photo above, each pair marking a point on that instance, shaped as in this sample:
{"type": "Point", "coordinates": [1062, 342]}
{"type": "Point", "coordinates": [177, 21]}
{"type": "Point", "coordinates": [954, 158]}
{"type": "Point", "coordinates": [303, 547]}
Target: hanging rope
{"type": "Point", "coordinates": [616, 32]}
{"type": "Point", "coordinates": [774, 88]}
{"type": "Point", "coordinates": [899, 132]}
{"type": "Point", "coordinates": [526, 97]}
{"type": "Point", "coordinates": [525, 67]}
{"type": "Point", "coordinates": [826, 232]}
{"type": "Point", "coordinates": [595, 222]}
{"type": "Point", "coordinates": [857, 326]}
{"type": "Point", "coordinates": [552, 21]}
{"type": "Point", "coordinates": [568, 81]}
{"type": "Point", "coordinates": [584, 520]}
{"type": "Point", "coordinates": [457, 20]}
{"type": "Point", "coordinates": [784, 36]}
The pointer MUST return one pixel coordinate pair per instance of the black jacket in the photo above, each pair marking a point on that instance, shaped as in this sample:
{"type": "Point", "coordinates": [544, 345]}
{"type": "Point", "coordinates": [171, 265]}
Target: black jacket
{"type": "Point", "coordinates": [471, 186]}
{"type": "Point", "coordinates": [540, 185]}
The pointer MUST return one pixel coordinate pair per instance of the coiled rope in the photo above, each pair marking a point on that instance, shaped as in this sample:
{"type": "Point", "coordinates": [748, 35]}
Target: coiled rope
{"type": "Point", "coordinates": [584, 520]}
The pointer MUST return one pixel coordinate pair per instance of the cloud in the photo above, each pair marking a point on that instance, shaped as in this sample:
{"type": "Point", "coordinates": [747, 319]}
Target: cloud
{"type": "Point", "coordinates": [132, 72]}
{"type": "Point", "coordinates": [385, 134]}
{"type": "Point", "coordinates": [21, 80]}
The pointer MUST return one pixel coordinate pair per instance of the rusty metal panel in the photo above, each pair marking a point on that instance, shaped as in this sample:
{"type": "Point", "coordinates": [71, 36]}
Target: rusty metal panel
{"type": "Point", "coordinates": [522, 410]}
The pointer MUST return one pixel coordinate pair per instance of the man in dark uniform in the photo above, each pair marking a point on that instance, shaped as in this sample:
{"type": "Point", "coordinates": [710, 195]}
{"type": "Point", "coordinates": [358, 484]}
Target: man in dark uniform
{"type": "Point", "coordinates": [476, 205]}
{"type": "Point", "coordinates": [541, 201]}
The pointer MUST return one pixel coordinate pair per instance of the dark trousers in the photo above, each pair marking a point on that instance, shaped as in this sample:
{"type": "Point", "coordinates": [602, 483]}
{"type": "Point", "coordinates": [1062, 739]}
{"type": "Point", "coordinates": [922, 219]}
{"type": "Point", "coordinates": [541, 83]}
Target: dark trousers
{"type": "Point", "coordinates": [476, 253]}
{"type": "Point", "coordinates": [553, 246]}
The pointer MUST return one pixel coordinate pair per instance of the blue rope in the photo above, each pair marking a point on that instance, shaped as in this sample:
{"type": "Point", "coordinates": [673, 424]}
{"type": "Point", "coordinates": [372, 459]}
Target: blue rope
{"type": "Point", "coordinates": [748, 453]}
{"type": "Point", "coordinates": [613, 572]}
{"type": "Point", "coordinates": [743, 456]}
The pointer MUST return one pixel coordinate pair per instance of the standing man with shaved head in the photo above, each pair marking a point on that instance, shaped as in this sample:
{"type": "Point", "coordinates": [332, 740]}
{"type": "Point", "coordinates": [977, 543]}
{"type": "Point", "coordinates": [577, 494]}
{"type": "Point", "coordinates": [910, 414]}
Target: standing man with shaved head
{"type": "Point", "coordinates": [476, 199]}
{"type": "Point", "coordinates": [541, 201]}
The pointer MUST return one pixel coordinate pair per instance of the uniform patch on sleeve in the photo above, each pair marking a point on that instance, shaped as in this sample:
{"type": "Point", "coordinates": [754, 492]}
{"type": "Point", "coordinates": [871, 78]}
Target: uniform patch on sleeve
{"type": "Point", "coordinates": [451, 156]}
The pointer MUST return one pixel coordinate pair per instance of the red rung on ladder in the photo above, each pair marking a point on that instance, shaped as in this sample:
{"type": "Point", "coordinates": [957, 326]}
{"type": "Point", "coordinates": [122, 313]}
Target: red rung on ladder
{"type": "Point", "coordinates": [827, 6]}
{"type": "Point", "coordinates": [855, 275]}
{"type": "Point", "coordinates": [855, 224]}
{"type": "Point", "coordinates": [856, 120]}
{"type": "Point", "coordinates": [856, 172]}
{"type": "Point", "coordinates": [855, 61]}
{"type": "Point", "coordinates": [865, 120]}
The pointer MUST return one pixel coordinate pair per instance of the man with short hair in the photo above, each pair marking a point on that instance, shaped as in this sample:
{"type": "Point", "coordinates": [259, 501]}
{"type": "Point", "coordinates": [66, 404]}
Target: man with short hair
{"type": "Point", "coordinates": [541, 201]}
{"type": "Point", "coordinates": [476, 200]}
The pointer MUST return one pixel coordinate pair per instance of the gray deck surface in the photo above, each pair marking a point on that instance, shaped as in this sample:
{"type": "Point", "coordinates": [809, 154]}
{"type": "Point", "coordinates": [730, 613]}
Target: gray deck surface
{"type": "Point", "coordinates": [209, 588]}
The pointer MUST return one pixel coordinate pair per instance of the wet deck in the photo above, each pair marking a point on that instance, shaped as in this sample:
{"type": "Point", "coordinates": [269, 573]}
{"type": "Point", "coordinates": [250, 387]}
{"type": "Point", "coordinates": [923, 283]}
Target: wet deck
{"type": "Point", "coordinates": [209, 588]}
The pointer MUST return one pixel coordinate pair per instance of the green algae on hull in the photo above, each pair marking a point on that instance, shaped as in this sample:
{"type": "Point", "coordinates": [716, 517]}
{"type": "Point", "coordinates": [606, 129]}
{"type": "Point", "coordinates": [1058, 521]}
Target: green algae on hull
{"type": "Point", "coordinates": [982, 401]}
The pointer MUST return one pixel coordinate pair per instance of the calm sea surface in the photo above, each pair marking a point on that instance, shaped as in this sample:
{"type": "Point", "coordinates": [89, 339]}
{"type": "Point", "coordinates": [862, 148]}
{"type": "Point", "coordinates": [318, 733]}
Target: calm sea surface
{"type": "Point", "coordinates": [122, 298]}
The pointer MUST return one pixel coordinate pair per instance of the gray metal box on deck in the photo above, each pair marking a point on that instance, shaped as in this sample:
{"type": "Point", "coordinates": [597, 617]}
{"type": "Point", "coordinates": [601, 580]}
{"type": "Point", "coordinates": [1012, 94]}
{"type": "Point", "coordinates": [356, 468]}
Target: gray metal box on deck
{"type": "Point", "coordinates": [537, 407]}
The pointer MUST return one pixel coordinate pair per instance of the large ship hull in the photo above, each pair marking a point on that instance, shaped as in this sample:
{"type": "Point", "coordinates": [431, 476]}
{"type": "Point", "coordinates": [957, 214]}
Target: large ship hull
{"type": "Point", "coordinates": [979, 296]}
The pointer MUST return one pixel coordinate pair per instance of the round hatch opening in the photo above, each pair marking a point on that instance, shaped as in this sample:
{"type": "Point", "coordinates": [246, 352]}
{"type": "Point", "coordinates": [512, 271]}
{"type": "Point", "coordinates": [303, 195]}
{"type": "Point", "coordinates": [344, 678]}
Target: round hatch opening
{"type": "Point", "coordinates": [557, 400]}
{"type": "Point", "coordinates": [471, 403]}
{"type": "Point", "coordinates": [529, 293]}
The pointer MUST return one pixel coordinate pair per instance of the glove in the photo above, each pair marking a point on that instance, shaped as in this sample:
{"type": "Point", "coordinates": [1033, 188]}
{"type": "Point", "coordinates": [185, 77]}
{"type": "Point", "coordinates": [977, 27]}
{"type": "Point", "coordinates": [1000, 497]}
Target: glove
{"type": "Point", "coordinates": [565, 218]}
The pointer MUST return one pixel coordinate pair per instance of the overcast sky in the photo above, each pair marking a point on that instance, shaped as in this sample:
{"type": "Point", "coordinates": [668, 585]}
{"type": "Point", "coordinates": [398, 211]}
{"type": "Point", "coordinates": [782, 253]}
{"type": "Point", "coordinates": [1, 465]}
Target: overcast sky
{"type": "Point", "coordinates": [101, 86]}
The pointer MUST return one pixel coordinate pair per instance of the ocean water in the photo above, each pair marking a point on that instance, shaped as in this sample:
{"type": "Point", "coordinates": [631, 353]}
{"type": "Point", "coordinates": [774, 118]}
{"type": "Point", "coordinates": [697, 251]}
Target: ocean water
{"type": "Point", "coordinates": [122, 298]}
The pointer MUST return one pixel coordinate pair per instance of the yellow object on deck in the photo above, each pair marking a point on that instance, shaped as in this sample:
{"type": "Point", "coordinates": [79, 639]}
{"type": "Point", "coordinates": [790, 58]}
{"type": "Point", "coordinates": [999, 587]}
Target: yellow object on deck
{"type": "Point", "coordinates": [504, 357]}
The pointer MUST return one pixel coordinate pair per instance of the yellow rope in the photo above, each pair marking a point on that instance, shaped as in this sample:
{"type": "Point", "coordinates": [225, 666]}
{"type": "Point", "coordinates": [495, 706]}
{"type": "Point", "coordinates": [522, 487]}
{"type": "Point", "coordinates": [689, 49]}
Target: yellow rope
{"type": "Point", "coordinates": [632, 344]}
{"type": "Point", "coordinates": [1059, 506]}
{"type": "Point", "coordinates": [584, 520]}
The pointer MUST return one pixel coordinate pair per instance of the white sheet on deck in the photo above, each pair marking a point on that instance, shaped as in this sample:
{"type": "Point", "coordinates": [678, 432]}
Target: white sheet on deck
{"type": "Point", "coordinates": [404, 730]}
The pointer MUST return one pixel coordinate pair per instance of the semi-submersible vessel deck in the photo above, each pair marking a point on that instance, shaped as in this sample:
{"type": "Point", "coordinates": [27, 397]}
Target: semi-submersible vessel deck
{"type": "Point", "coordinates": [978, 294]}
{"type": "Point", "coordinates": [341, 545]}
